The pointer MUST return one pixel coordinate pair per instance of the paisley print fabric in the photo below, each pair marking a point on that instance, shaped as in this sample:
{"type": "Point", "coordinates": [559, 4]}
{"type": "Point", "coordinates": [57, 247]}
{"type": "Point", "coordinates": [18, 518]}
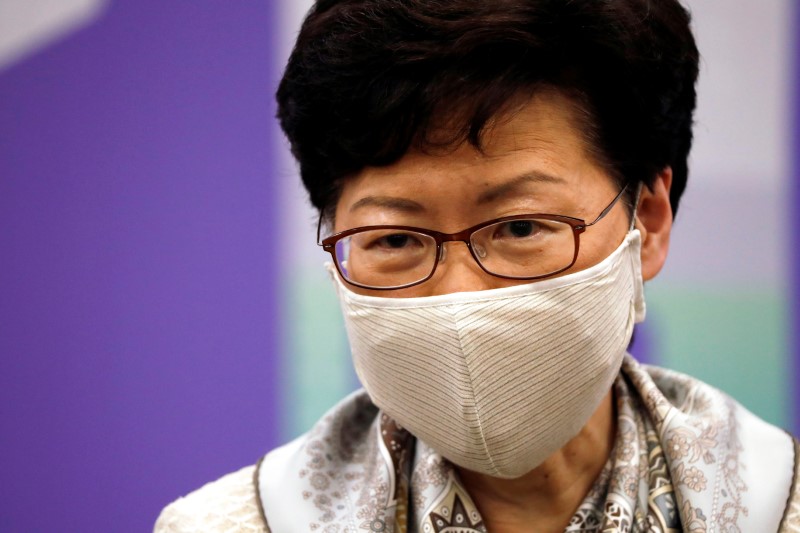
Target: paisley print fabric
{"type": "Point", "coordinates": [686, 459]}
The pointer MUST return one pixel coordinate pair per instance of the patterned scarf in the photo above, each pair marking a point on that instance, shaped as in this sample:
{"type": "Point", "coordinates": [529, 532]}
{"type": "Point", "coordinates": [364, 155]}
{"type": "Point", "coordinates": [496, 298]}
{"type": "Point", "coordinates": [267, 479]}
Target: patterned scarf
{"type": "Point", "coordinates": [678, 464]}
{"type": "Point", "coordinates": [633, 493]}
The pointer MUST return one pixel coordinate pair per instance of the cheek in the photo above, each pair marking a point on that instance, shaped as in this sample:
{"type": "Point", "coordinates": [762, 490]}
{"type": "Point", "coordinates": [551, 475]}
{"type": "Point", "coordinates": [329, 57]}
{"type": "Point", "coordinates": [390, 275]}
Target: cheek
{"type": "Point", "coordinates": [592, 253]}
{"type": "Point", "coordinates": [598, 242]}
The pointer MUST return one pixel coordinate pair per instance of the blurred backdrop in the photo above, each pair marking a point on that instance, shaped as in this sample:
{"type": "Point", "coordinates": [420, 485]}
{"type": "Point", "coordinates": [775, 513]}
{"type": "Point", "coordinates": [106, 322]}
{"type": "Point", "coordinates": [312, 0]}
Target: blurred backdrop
{"type": "Point", "coordinates": [164, 314]}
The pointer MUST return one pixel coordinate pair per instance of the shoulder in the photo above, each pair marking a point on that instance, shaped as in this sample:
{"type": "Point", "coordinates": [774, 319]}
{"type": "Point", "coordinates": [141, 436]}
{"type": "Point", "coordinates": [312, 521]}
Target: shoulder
{"type": "Point", "coordinates": [321, 477]}
{"type": "Point", "coordinates": [237, 502]}
{"type": "Point", "coordinates": [791, 517]}
{"type": "Point", "coordinates": [227, 504]}
{"type": "Point", "coordinates": [751, 464]}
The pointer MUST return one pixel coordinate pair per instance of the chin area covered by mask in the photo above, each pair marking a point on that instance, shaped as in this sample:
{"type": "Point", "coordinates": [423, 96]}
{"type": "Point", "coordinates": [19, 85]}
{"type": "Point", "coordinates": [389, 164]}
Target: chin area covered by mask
{"type": "Point", "coordinates": [498, 380]}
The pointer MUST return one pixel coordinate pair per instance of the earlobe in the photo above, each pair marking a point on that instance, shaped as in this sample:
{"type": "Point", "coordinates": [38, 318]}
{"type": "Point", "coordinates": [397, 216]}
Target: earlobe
{"type": "Point", "coordinates": [654, 221]}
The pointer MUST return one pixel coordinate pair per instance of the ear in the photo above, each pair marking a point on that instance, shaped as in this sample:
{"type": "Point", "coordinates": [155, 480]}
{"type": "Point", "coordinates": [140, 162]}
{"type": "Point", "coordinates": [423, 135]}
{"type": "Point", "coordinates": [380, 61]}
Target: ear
{"type": "Point", "coordinates": [654, 221]}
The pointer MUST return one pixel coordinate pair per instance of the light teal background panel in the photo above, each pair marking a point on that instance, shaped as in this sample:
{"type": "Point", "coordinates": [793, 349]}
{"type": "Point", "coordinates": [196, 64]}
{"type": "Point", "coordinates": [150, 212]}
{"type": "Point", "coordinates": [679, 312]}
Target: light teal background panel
{"type": "Point", "coordinates": [317, 365]}
{"type": "Point", "coordinates": [737, 341]}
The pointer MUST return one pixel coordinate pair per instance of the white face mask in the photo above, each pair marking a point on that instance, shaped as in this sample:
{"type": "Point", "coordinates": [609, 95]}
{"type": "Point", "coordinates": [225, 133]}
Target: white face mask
{"type": "Point", "coordinates": [498, 380]}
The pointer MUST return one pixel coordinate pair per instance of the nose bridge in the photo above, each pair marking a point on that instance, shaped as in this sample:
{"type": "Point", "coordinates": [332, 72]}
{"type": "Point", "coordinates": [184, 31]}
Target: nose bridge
{"type": "Point", "coordinates": [459, 272]}
{"type": "Point", "coordinates": [450, 240]}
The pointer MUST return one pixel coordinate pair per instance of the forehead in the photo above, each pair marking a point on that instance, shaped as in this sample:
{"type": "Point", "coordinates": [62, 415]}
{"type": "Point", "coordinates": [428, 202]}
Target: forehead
{"type": "Point", "coordinates": [537, 149]}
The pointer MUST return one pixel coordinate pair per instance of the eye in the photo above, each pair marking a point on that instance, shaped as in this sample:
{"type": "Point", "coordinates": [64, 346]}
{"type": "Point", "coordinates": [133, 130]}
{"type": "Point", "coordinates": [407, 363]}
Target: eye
{"type": "Point", "coordinates": [517, 229]}
{"type": "Point", "coordinates": [397, 240]}
{"type": "Point", "coordinates": [521, 228]}
{"type": "Point", "coordinates": [384, 240]}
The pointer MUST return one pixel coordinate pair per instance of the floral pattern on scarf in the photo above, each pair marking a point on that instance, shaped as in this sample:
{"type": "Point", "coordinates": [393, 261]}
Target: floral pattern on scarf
{"type": "Point", "coordinates": [676, 466]}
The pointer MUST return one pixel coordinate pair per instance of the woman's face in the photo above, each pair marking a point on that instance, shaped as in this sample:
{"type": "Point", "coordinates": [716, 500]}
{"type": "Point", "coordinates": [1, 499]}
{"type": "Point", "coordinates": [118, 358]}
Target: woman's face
{"type": "Point", "coordinates": [534, 161]}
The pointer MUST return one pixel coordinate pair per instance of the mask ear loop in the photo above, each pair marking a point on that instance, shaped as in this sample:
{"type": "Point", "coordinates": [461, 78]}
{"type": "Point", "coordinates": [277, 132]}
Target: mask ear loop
{"type": "Point", "coordinates": [635, 206]}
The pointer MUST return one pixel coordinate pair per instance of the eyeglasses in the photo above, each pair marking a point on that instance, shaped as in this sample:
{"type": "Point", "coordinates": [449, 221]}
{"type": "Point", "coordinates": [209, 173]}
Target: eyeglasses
{"type": "Point", "coordinates": [524, 247]}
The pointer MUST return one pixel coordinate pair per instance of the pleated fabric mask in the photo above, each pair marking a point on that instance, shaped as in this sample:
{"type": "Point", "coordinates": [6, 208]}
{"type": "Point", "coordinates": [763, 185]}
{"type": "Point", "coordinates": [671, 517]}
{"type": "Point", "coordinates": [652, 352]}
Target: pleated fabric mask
{"type": "Point", "coordinates": [498, 380]}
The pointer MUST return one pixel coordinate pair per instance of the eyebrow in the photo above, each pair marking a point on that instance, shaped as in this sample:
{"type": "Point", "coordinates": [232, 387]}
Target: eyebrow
{"type": "Point", "coordinates": [491, 195]}
{"type": "Point", "coordinates": [513, 185]}
{"type": "Point", "coordinates": [388, 202]}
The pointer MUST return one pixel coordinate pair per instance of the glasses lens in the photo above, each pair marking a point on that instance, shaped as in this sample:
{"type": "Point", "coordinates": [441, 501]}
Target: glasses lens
{"type": "Point", "coordinates": [384, 258]}
{"type": "Point", "coordinates": [525, 248]}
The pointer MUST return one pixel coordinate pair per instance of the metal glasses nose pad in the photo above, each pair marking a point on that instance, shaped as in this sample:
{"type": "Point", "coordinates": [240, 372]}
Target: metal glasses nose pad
{"type": "Point", "coordinates": [479, 250]}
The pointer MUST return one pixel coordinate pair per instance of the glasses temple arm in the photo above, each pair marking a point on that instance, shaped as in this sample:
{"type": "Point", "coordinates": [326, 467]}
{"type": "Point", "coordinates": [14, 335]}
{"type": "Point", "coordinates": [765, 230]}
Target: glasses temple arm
{"type": "Point", "coordinates": [635, 205]}
{"type": "Point", "coordinates": [610, 206]}
{"type": "Point", "coordinates": [319, 229]}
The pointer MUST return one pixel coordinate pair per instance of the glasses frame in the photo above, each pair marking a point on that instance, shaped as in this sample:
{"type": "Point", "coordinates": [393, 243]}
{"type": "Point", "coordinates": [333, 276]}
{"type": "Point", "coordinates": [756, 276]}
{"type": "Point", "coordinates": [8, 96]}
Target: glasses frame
{"type": "Point", "coordinates": [578, 226]}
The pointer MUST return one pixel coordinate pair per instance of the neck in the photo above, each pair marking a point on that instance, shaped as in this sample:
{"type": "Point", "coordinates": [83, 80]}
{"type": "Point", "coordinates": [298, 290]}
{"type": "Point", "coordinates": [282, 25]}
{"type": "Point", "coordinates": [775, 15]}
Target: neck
{"type": "Point", "coordinates": [544, 499]}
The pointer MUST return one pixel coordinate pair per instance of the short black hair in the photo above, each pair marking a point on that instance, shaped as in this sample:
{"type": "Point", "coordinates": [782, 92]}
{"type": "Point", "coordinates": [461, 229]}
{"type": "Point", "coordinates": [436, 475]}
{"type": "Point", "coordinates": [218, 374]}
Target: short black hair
{"type": "Point", "coordinates": [368, 78]}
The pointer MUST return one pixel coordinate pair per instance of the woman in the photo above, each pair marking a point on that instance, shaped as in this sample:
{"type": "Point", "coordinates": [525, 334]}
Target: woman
{"type": "Point", "coordinates": [496, 179]}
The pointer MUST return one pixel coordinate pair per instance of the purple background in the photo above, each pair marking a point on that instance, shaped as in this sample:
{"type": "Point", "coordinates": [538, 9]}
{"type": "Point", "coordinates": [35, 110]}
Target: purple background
{"type": "Point", "coordinates": [137, 281]}
{"type": "Point", "coordinates": [794, 220]}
